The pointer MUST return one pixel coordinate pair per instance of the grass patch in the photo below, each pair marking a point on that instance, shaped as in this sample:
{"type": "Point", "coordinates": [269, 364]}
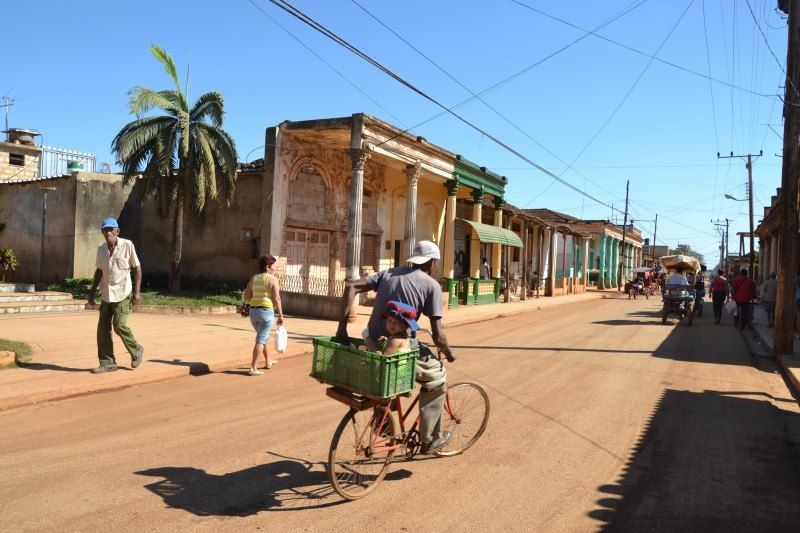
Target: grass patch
{"type": "Point", "coordinates": [22, 349]}
{"type": "Point", "coordinates": [197, 292]}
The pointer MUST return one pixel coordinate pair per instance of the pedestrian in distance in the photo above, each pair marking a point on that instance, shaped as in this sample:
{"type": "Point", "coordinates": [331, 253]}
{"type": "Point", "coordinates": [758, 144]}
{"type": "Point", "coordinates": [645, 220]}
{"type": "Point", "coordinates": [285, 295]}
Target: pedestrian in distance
{"type": "Point", "coordinates": [116, 257]}
{"type": "Point", "coordinates": [263, 294]}
{"type": "Point", "coordinates": [770, 293]}
{"type": "Point", "coordinates": [744, 290]}
{"type": "Point", "coordinates": [484, 269]}
{"type": "Point", "coordinates": [415, 287]}
{"type": "Point", "coordinates": [719, 294]}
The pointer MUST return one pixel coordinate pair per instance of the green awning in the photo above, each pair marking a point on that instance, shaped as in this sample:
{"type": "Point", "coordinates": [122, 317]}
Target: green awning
{"type": "Point", "coordinates": [495, 235]}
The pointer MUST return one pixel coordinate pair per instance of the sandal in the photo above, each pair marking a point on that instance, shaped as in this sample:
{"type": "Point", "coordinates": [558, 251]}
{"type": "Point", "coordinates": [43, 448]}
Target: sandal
{"type": "Point", "coordinates": [255, 372]}
{"type": "Point", "coordinates": [271, 363]}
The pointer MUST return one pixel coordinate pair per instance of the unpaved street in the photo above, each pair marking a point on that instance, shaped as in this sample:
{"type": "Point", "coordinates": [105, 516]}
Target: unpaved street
{"type": "Point", "coordinates": [601, 418]}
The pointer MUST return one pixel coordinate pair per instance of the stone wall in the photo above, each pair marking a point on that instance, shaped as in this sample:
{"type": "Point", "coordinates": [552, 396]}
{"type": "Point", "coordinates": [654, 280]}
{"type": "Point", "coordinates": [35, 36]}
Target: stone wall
{"type": "Point", "coordinates": [30, 156]}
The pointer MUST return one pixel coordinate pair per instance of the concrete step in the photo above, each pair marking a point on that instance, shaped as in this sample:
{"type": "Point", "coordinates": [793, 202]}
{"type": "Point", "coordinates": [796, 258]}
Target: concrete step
{"type": "Point", "coordinates": [45, 296]}
{"type": "Point", "coordinates": [9, 308]}
{"type": "Point", "coordinates": [17, 287]}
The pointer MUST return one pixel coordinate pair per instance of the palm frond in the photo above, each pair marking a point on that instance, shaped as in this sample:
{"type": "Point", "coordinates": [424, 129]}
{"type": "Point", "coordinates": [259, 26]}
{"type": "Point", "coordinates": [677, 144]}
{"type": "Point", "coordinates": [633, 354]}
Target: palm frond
{"type": "Point", "coordinates": [165, 59]}
{"type": "Point", "coordinates": [137, 133]}
{"type": "Point", "coordinates": [142, 99]}
{"type": "Point", "coordinates": [209, 106]}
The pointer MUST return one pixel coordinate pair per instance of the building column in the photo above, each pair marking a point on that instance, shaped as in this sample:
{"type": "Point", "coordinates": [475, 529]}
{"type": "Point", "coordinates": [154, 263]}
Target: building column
{"type": "Point", "coordinates": [614, 263]}
{"type": "Point", "coordinates": [586, 262]}
{"type": "Point", "coordinates": [413, 173]}
{"type": "Point", "coordinates": [551, 263]}
{"type": "Point", "coordinates": [358, 158]}
{"type": "Point", "coordinates": [474, 243]}
{"type": "Point", "coordinates": [497, 250]}
{"type": "Point", "coordinates": [608, 262]}
{"type": "Point", "coordinates": [448, 257]}
{"type": "Point", "coordinates": [601, 254]}
{"type": "Point", "coordinates": [524, 260]}
{"type": "Point", "coordinates": [774, 239]}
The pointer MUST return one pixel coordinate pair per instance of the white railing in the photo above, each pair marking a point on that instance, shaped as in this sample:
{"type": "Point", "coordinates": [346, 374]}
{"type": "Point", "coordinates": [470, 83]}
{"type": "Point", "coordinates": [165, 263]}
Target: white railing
{"type": "Point", "coordinates": [311, 285]}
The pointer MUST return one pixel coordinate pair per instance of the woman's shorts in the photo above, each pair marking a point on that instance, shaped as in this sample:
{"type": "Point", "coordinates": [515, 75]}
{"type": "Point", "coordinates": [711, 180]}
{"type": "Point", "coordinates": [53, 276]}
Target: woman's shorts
{"type": "Point", "coordinates": [262, 320]}
{"type": "Point", "coordinates": [769, 306]}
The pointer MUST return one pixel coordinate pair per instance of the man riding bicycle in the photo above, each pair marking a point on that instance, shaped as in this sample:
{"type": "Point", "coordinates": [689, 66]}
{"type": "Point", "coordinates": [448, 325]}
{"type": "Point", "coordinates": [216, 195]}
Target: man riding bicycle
{"type": "Point", "coordinates": [413, 286]}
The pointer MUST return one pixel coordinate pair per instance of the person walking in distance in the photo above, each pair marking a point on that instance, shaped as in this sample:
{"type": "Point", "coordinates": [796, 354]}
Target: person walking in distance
{"type": "Point", "coordinates": [415, 287]}
{"type": "Point", "coordinates": [719, 293]}
{"type": "Point", "coordinates": [263, 293]}
{"type": "Point", "coordinates": [770, 293]}
{"type": "Point", "coordinates": [116, 257]}
{"type": "Point", "coordinates": [744, 290]}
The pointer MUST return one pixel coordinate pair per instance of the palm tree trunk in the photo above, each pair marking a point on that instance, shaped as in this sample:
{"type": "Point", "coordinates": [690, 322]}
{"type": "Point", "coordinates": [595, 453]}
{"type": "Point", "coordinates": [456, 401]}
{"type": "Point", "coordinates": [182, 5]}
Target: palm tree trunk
{"type": "Point", "coordinates": [177, 247]}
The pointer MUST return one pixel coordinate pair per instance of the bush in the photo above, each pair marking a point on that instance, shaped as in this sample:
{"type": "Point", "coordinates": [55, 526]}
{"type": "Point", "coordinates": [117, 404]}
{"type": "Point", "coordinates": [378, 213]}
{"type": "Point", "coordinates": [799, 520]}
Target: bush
{"type": "Point", "coordinates": [8, 261]}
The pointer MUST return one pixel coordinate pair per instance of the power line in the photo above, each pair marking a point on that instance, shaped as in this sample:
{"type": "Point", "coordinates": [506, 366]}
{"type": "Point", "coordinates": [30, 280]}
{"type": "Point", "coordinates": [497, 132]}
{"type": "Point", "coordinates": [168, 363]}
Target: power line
{"type": "Point", "coordinates": [295, 12]}
{"type": "Point", "coordinates": [778, 61]}
{"type": "Point", "coordinates": [341, 75]}
{"type": "Point", "coordinates": [640, 52]}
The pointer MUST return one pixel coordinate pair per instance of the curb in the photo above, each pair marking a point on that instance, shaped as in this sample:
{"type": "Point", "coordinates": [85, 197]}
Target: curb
{"type": "Point", "coordinates": [788, 365]}
{"type": "Point", "coordinates": [185, 368]}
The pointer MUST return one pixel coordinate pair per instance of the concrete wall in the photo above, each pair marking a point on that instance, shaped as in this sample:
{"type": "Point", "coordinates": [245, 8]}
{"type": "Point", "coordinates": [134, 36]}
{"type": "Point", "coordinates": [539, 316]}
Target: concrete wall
{"type": "Point", "coordinates": [213, 246]}
{"type": "Point", "coordinates": [97, 196]}
{"type": "Point", "coordinates": [311, 305]}
{"type": "Point", "coordinates": [28, 171]}
{"type": "Point", "coordinates": [21, 211]}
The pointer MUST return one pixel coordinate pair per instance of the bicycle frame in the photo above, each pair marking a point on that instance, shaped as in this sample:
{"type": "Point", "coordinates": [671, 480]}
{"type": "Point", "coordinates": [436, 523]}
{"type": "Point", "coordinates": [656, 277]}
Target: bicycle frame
{"type": "Point", "coordinates": [395, 405]}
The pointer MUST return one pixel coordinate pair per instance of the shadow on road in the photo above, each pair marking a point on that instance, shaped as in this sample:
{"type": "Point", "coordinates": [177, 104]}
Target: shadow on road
{"type": "Point", "coordinates": [708, 461]}
{"type": "Point", "coordinates": [623, 322]}
{"type": "Point", "coordinates": [196, 368]}
{"type": "Point", "coordinates": [287, 484]}
{"type": "Point", "coordinates": [50, 366]}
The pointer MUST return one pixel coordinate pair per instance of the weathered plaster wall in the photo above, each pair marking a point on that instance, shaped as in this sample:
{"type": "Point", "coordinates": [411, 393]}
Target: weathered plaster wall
{"type": "Point", "coordinates": [21, 211]}
{"type": "Point", "coordinates": [97, 196]}
{"type": "Point", "coordinates": [213, 246]}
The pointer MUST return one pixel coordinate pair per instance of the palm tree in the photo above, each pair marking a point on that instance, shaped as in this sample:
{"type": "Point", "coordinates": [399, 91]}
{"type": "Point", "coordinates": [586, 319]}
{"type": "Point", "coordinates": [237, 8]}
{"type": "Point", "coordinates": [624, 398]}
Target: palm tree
{"type": "Point", "coordinates": [183, 156]}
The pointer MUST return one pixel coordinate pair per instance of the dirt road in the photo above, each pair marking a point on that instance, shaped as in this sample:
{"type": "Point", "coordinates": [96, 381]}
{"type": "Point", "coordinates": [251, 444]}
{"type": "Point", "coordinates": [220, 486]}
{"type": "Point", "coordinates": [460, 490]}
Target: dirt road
{"type": "Point", "coordinates": [601, 419]}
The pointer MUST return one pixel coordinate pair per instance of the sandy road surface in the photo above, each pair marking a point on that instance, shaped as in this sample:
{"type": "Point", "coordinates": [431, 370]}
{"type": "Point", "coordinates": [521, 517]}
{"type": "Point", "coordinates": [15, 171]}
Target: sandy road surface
{"type": "Point", "coordinates": [601, 418]}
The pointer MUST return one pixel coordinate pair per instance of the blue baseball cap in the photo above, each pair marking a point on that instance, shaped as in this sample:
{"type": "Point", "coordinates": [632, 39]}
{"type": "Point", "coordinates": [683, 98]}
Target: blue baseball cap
{"type": "Point", "coordinates": [404, 312]}
{"type": "Point", "coordinates": [109, 222]}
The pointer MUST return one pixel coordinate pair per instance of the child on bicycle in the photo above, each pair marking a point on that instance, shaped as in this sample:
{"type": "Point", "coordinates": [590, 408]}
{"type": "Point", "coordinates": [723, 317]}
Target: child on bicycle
{"type": "Point", "coordinates": [400, 322]}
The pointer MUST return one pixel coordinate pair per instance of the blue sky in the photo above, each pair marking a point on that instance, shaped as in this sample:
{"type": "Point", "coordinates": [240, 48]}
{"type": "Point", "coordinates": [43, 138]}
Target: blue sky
{"type": "Point", "coordinates": [75, 61]}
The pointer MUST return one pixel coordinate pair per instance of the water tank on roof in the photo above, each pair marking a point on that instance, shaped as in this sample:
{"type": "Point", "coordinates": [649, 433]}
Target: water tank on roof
{"type": "Point", "coordinates": [21, 136]}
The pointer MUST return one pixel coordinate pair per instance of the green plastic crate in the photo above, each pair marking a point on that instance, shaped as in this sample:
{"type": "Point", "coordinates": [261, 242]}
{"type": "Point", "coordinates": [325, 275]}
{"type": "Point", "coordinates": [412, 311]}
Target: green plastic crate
{"type": "Point", "coordinates": [371, 374]}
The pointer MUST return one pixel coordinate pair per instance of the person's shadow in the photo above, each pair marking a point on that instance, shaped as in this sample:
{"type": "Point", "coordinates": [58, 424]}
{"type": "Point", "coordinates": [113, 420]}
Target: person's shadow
{"type": "Point", "coordinates": [283, 485]}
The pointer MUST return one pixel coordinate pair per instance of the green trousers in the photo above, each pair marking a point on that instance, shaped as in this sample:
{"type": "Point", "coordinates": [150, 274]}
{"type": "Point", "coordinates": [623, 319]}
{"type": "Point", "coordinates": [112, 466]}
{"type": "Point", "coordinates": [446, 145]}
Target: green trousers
{"type": "Point", "coordinates": [114, 315]}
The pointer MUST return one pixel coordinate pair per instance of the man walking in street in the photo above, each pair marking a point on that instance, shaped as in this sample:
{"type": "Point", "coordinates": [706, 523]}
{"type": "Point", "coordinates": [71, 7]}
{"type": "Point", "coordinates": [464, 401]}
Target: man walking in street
{"type": "Point", "coordinates": [116, 257]}
{"type": "Point", "coordinates": [744, 290]}
{"type": "Point", "coordinates": [413, 286]}
{"type": "Point", "coordinates": [770, 293]}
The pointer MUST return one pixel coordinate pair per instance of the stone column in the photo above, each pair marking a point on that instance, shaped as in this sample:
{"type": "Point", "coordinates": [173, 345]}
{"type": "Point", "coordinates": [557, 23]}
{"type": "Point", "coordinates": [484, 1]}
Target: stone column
{"type": "Point", "coordinates": [773, 251]}
{"type": "Point", "coordinates": [359, 158]}
{"type": "Point", "coordinates": [448, 252]}
{"type": "Point", "coordinates": [474, 243]}
{"type": "Point", "coordinates": [413, 173]}
{"type": "Point", "coordinates": [552, 263]}
{"type": "Point", "coordinates": [497, 250]}
{"type": "Point", "coordinates": [609, 262]}
{"type": "Point", "coordinates": [524, 260]}
{"type": "Point", "coordinates": [614, 262]}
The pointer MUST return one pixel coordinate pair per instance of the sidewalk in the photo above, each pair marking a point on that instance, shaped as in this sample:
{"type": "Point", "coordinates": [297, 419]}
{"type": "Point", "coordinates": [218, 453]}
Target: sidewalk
{"type": "Point", "coordinates": [789, 363]}
{"type": "Point", "coordinates": [65, 349]}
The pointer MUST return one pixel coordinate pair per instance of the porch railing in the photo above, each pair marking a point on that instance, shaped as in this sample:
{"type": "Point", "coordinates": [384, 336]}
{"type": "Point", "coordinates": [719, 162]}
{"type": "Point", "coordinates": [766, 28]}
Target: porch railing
{"type": "Point", "coordinates": [311, 285]}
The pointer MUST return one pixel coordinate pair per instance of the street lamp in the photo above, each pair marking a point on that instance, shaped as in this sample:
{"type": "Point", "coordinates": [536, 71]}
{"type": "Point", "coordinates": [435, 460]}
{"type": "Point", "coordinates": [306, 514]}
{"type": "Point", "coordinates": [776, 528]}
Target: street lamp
{"type": "Point", "coordinates": [44, 218]}
{"type": "Point", "coordinates": [729, 197]}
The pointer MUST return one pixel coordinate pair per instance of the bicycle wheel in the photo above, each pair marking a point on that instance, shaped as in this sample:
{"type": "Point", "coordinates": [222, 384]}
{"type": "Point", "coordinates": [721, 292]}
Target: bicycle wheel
{"type": "Point", "coordinates": [354, 467]}
{"type": "Point", "coordinates": [465, 414]}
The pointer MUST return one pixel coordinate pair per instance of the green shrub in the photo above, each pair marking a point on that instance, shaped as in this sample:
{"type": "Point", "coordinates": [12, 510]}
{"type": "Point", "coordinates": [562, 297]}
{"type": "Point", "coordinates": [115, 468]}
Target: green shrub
{"type": "Point", "coordinates": [8, 261]}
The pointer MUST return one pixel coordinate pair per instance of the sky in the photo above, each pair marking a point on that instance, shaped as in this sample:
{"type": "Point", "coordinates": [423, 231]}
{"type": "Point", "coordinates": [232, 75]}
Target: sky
{"type": "Point", "coordinates": [609, 112]}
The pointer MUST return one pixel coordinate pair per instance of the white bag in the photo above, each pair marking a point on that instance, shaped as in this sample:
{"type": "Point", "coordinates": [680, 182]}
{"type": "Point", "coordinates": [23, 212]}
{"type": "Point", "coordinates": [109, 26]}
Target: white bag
{"type": "Point", "coordinates": [281, 338]}
{"type": "Point", "coordinates": [730, 307]}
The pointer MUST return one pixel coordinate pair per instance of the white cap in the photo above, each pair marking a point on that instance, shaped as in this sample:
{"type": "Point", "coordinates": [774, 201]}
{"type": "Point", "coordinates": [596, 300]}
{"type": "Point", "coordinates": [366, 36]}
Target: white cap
{"type": "Point", "coordinates": [423, 252]}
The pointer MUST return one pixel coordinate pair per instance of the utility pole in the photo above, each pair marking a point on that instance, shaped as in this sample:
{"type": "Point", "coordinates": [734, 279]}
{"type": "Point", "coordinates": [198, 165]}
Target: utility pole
{"type": "Point", "coordinates": [787, 250]}
{"type": "Point", "coordinates": [621, 259]}
{"type": "Point", "coordinates": [723, 260]}
{"type": "Point", "coordinates": [655, 231]}
{"type": "Point", "coordinates": [749, 167]}
{"type": "Point", "coordinates": [44, 219]}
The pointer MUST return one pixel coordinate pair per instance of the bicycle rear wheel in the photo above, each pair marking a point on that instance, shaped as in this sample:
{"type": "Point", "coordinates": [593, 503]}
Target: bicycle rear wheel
{"type": "Point", "coordinates": [356, 464]}
{"type": "Point", "coordinates": [466, 412]}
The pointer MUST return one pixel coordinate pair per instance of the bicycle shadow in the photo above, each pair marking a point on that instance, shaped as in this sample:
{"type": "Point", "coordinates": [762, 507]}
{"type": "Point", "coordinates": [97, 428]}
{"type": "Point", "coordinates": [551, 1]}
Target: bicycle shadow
{"type": "Point", "coordinates": [288, 484]}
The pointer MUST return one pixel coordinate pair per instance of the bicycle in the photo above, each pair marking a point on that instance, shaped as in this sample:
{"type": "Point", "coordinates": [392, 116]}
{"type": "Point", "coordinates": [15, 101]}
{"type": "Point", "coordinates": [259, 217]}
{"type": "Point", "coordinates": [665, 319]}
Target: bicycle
{"type": "Point", "coordinates": [372, 431]}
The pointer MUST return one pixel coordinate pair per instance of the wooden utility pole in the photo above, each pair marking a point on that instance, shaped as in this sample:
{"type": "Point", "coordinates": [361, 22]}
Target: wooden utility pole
{"type": "Point", "coordinates": [787, 249]}
{"type": "Point", "coordinates": [723, 255]}
{"type": "Point", "coordinates": [749, 167]}
{"type": "Point", "coordinates": [621, 259]}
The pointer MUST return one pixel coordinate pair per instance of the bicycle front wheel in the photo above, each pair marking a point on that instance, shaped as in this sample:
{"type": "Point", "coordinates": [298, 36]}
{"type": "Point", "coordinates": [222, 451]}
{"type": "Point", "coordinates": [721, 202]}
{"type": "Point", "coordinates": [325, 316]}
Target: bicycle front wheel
{"type": "Point", "coordinates": [466, 412]}
{"type": "Point", "coordinates": [358, 459]}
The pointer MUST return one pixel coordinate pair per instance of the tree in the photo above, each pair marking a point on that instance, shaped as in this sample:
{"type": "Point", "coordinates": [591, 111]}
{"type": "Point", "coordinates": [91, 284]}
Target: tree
{"type": "Point", "coordinates": [685, 249]}
{"type": "Point", "coordinates": [8, 261]}
{"type": "Point", "coordinates": [183, 157]}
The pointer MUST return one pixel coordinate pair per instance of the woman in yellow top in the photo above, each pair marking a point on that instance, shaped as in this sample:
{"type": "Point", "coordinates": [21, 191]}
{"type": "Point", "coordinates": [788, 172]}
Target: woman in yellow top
{"type": "Point", "coordinates": [264, 296]}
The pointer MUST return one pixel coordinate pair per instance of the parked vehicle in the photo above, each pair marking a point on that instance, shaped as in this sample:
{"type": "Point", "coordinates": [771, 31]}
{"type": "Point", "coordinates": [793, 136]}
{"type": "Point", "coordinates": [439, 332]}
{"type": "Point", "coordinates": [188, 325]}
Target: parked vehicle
{"type": "Point", "coordinates": [637, 289]}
